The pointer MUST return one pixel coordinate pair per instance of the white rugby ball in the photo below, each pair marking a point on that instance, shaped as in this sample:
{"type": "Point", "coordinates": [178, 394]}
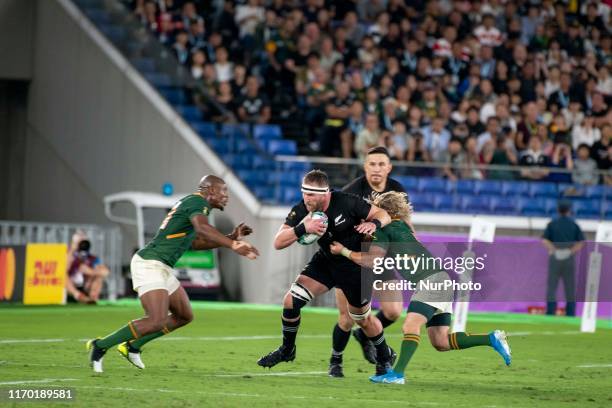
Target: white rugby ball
{"type": "Point", "coordinates": [308, 239]}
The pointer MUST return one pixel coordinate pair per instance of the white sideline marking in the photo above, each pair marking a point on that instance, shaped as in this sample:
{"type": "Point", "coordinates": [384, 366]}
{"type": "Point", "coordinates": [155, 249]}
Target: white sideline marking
{"type": "Point", "coordinates": [263, 337]}
{"type": "Point", "coordinates": [595, 366]}
{"type": "Point", "coordinates": [233, 394]}
{"type": "Point", "coordinates": [12, 341]}
{"type": "Point", "coordinates": [43, 381]}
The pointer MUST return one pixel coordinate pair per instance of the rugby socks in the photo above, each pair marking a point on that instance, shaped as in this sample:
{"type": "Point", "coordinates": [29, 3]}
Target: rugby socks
{"type": "Point", "coordinates": [382, 350]}
{"type": "Point", "coordinates": [409, 346]}
{"type": "Point", "coordinates": [127, 332]}
{"type": "Point", "coordinates": [340, 339]}
{"type": "Point", "coordinates": [462, 340]}
{"type": "Point", "coordinates": [290, 330]}
{"type": "Point", "coordinates": [138, 343]}
{"type": "Point", "coordinates": [383, 320]}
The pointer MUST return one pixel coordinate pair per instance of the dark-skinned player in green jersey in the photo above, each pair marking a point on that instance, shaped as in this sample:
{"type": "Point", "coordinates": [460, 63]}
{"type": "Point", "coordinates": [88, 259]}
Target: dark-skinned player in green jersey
{"type": "Point", "coordinates": [431, 308]}
{"type": "Point", "coordinates": [165, 302]}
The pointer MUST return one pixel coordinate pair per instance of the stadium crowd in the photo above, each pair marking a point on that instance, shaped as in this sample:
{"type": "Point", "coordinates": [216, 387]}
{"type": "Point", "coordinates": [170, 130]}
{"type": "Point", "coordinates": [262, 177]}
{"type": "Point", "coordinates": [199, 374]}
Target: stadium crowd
{"type": "Point", "coordinates": [454, 82]}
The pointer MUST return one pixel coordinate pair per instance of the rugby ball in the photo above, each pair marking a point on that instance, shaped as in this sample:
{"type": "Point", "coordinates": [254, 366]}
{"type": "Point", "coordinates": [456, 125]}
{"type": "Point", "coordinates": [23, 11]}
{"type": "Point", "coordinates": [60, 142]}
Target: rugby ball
{"type": "Point", "coordinates": [308, 239]}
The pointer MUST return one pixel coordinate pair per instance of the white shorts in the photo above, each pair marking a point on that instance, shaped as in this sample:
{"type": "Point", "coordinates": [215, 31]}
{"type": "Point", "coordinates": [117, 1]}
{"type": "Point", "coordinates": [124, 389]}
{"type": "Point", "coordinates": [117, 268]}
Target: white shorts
{"type": "Point", "coordinates": [442, 300]}
{"type": "Point", "coordinates": [148, 275]}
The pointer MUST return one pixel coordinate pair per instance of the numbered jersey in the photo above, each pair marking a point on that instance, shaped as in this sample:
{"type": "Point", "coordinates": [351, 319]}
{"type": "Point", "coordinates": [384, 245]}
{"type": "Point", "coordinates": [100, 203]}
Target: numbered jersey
{"type": "Point", "coordinates": [176, 232]}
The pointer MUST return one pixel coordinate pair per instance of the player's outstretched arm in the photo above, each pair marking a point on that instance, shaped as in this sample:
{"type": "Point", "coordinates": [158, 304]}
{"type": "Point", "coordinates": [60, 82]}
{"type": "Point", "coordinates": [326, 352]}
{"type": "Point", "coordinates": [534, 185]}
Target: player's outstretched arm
{"type": "Point", "coordinates": [202, 227]}
{"type": "Point", "coordinates": [240, 231]}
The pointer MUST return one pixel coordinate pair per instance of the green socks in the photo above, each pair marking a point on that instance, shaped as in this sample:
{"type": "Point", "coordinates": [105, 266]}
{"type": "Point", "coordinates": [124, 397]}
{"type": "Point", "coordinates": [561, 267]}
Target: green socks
{"type": "Point", "coordinates": [127, 332]}
{"type": "Point", "coordinates": [462, 340]}
{"type": "Point", "coordinates": [138, 343]}
{"type": "Point", "coordinates": [409, 346]}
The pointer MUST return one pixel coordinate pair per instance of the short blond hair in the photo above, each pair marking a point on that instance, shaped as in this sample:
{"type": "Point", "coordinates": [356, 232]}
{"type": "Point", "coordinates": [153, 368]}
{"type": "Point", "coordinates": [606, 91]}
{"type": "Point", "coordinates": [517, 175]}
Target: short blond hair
{"type": "Point", "coordinates": [396, 204]}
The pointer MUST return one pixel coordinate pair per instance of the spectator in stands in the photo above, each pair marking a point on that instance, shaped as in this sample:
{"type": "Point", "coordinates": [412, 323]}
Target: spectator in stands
{"type": "Point", "coordinates": [254, 106]}
{"type": "Point", "coordinates": [490, 134]}
{"type": "Point", "coordinates": [502, 153]}
{"type": "Point", "coordinates": [561, 159]}
{"type": "Point", "coordinates": [399, 141]}
{"type": "Point", "coordinates": [198, 59]}
{"type": "Point", "coordinates": [370, 136]}
{"type": "Point", "coordinates": [455, 160]}
{"type": "Point", "coordinates": [436, 138]}
{"type": "Point", "coordinates": [585, 132]}
{"type": "Point", "coordinates": [585, 168]}
{"type": "Point", "coordinates": [337, 111]}
{"type": "Point", "coordinates": [248, 16]}
{"type": "Point", "coordinates": [86, 274]}
{"type": "Point", "coordinates": [562, 238]}
{"type": "Point", "coordinates": [534, 157]}
{"type": "Point", "coordinates": [224, 69]}
{"type": "Point", "coordinates": [528, 127]}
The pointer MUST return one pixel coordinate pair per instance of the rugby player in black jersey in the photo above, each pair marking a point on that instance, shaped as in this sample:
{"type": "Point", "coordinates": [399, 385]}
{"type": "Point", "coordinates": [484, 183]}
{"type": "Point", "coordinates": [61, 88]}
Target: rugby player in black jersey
{"type": "Point", "coordinates": [349, 217]}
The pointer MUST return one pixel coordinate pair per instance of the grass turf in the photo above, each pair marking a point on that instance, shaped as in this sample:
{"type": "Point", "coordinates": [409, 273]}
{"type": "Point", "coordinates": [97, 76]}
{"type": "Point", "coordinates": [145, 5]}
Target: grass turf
{"type": "Point", "coordinates": [212, 363]}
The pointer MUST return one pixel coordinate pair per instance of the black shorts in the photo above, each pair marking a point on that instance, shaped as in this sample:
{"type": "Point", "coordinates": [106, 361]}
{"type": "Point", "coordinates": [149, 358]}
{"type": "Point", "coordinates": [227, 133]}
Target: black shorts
{"type": "Point", "coordinates": [357, 286]}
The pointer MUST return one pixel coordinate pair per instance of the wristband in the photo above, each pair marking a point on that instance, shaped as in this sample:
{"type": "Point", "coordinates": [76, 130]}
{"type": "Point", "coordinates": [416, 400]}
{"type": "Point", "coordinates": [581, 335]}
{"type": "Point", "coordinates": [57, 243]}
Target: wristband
{"type": "Point", "coordinates": [377, 223]}
{"type": "Point", "coordinates": [299, 230]}
{"type": "Point", "coordinates": [346, 252]}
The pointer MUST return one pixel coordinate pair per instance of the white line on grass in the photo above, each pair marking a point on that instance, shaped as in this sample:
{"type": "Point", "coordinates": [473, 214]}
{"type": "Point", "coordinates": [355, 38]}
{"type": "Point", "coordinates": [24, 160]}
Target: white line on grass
{"type": "Point", "coordinates": [232, 394]}
{"type": "Point", "coordinates": [595, 366]}
{"type": "Point", "coordinates": [262, 337]}
{"type": "Point", "coordinates": [43, 381]}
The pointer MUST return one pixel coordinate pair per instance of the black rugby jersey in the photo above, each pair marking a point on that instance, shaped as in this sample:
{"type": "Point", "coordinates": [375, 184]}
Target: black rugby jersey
{"type": "Point", "coordinates": [345, 211]}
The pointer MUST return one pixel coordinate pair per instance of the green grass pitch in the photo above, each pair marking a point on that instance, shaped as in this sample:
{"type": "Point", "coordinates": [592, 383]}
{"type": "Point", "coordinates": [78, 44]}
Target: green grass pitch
{"type": "Point", "coordinates": [212, 362]}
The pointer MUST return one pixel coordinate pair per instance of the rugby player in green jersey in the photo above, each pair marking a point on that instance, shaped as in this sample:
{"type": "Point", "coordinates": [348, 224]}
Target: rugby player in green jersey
{"type": "Point", "coordinates": [431, 308]}
{"type": "Point", "coordinates": [165, 302]}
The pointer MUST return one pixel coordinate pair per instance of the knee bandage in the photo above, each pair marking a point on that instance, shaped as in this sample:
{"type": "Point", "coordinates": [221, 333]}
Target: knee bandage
{"type": "Point", "coordinates": [300, 298]}
{"type": "Point", "coordinates": [361, 316]}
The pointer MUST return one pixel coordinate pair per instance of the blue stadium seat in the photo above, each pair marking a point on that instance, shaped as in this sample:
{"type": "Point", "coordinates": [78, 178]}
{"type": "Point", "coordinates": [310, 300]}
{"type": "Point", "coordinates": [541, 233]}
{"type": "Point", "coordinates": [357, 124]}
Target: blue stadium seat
{"type": "Point", "coordinates": [587, 208]}
{"type": "Point", "coordinates": [302, 167]}
{"type": "Point", "coordinates": [550, 204]}
{"type": "Point", "coordinates": [475, 204]}
{"type": "Point", "coordinates": [114, 33]}
{"type": "Point", "coordinates": [422, 202]}
{"type": "Point", "coordinates": [534, 207]}
{"type": "Point", "coordinates": [280, 147]}
{"type": "Point", "coordinates": [238, 161]}
{"type": "Point", "coordinates": [267, 132]}
{"type": "Point", "coordinates": [190, 113]}
{"type": "Point", "coordinates": [146, 65]}
{"type": "Point", "coordinates": [207, 130]}
{"type": "Point", "coordinates": [260, 162]}
{"type": "Point", "coordinates": [503, 205]}
{"type": "Point", "coordinates": [491, 187]}
{"type": "Point", "coordinates": [445, 203]}
{"type": "Point", "coordinates": [408, 182]}
{"type": "Point", "coordinates": [174, 96]}
{"type": "Point", "coordinates": [543, 189]}
{"type": "Point", "coordinates": [97, 16]}
{"type": "Point", "coordinates": [235, 130]}
{"type": "Point", "coordinates": [264, 193]}
{"type": "Point", "coordinates": [244, 146]}
{"type": "Point", "coordinates": [432, 185]}
{"type": "Point", "coordinates": [253, 178]}
{"type": "Point", "coordinates": [290, 195]}
{"type": "Point", "coordinates": [158, 80]}
{"type": "Point", "coordinates": [460, 186]}
{"type": "Point", "coordinates": [598, 191]}
{"type": "Point", "coordinates": [514, 188]}
{"type": "Point", "coordinates": [285, 178]}
{"type": "Point", "coordinates": [220, 146]}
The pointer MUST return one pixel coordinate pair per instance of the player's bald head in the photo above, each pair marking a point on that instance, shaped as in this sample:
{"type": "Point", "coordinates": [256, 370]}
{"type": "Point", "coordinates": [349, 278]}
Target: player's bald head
{"type": "Point", "coordinates": [209, 181]}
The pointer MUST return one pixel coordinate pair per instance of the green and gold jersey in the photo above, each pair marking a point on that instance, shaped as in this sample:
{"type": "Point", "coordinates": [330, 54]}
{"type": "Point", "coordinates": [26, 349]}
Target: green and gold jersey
{"type": "Point", "coordinates": [176, 232]}
{"type": "Point", "coordinates": [400, 243]}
